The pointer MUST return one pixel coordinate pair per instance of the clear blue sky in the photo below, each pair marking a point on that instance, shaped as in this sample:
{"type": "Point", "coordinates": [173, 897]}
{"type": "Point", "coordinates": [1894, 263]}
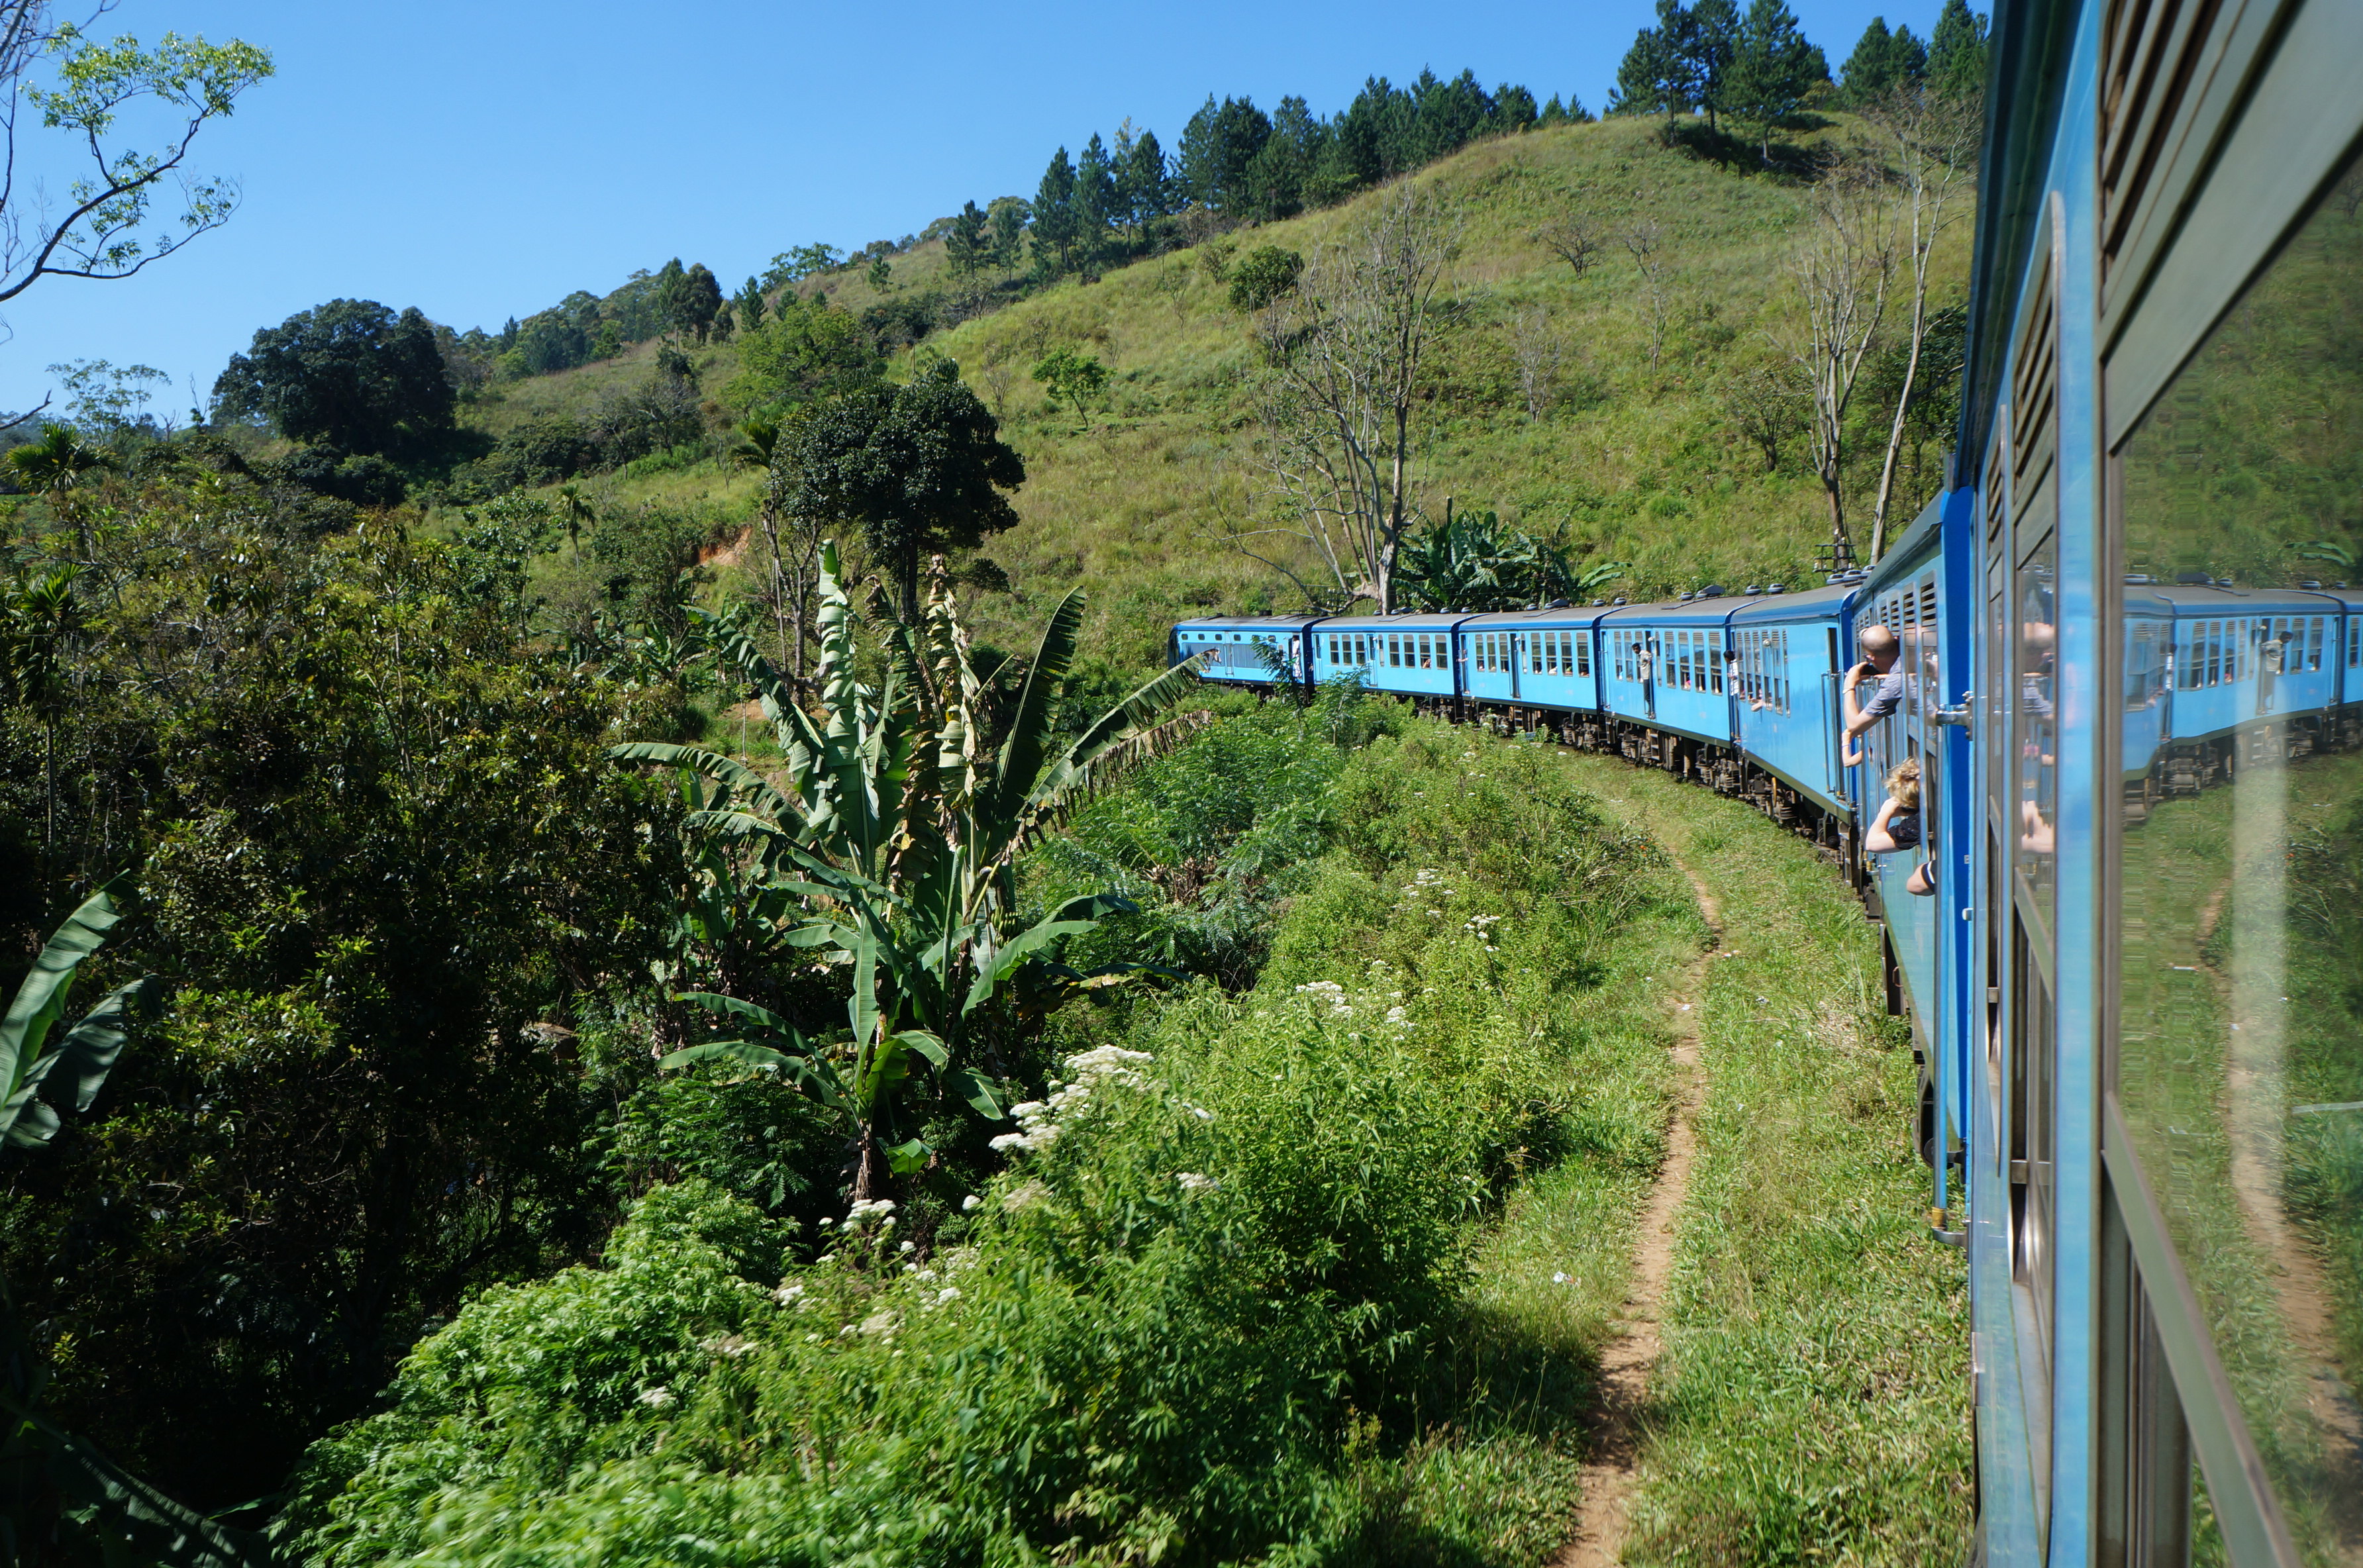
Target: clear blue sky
{"type": "Point", "coordinates": [481, 160]}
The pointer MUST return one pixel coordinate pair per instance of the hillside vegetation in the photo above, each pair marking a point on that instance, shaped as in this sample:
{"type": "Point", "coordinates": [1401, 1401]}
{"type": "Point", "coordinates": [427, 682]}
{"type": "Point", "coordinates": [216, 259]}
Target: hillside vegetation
{"type": "Point", "coordinates": [1625, 460]}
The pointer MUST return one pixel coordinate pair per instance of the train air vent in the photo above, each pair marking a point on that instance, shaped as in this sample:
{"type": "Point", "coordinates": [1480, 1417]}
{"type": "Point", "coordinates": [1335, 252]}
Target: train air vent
{"type": "Point", "coordinates": [1619, 600]}
{"type": "Point", "coordinates": [2194, 579]}
{"type": "Point", "coordinates": [1561, 603]}
{"type": "Point", "coordinates": [2153, 53]}
{"type": "Point", "coordinates": [1712, 591]}
{"type": "Point", "coordinates": [1754, 589]}
{"type": "Point", "coordinates": [2136, 578]}
{"type": "Point", "coordinates": [2312, 582]}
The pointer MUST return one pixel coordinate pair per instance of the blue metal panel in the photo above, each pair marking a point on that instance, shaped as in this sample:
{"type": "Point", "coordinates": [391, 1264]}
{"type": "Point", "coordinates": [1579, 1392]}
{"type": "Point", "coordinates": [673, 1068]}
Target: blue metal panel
{"type": "Point", "coordinates": [1231, 645]}
{"type": "Point", "coordinates": [1790, 725]}
{"type": "Point", "coordinates": [1408, 655]}
{"type": "Point", "coordinates": [1542, 658]}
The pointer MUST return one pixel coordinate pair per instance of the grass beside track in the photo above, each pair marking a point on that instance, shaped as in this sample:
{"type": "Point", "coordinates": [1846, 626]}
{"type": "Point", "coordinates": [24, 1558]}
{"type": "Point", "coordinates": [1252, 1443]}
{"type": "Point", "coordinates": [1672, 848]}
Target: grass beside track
{"type": "Point", "coordinates": [1813, 1404]}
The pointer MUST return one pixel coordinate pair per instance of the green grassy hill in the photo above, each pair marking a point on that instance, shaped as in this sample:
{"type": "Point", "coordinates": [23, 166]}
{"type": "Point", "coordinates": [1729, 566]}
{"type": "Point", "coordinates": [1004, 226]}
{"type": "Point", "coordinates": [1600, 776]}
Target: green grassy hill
{"type": "Point", "coordinates": [1629, 463]}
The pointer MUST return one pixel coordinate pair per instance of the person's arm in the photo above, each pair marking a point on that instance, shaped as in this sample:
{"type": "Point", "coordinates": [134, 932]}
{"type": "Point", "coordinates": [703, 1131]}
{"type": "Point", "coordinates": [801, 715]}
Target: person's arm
{"type": "Point", "coordinates": [1878, 841]}
{"type": "Point", "coordinates": [1858, 717]}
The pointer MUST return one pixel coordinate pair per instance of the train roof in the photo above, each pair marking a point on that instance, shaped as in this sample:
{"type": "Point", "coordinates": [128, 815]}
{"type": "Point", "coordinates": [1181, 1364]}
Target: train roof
{"type": "Point", "coordinates": [2208, 599]}
{"type": "Point", "coordinates": [1246, 623]}
{"type": "Point", "coordinates": [1420, 622]}
{"type": "Point", "coordinates": [1712, 611]}
{"type": "Point", "coordinates": [1560, 615]}
{"type": "Point", "coordinates": [1806, 604]}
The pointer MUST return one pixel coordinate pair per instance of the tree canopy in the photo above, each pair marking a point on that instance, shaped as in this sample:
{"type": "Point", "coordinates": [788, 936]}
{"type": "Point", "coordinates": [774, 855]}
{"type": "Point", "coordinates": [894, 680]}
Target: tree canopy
{"type": "Point", "coordinates": [350, 373]}
{"type": "Point", "coordinates": [920, 468]}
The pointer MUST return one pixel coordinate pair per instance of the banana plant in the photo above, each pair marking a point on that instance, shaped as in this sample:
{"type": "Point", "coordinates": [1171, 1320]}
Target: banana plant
{"type": "Point", "coordinates": [898, 826]}
{"type": "Point", "coordinates": [54, 1485]}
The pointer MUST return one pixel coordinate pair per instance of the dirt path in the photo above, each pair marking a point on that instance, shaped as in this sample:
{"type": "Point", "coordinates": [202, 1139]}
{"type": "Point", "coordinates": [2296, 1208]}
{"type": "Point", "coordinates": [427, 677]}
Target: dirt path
{"type": "Point", "coordinates": [1616, 1419]}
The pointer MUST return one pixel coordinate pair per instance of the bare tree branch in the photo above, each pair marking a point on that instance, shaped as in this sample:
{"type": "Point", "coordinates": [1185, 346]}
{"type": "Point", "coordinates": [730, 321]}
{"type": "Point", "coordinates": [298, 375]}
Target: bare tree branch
{"type": "Point", "coordinates": [1346, 350]}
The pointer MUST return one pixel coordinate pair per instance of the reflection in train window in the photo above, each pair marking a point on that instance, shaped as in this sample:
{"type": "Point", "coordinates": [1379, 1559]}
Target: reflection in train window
{"type": "Point", "coordinates": [2038, 770]}
{"type": "Point", "coordinates": [2239, 1042]}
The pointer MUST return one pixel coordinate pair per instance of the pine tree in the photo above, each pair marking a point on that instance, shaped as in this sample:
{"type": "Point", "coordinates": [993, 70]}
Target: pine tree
{"type": "Point", "coordinates": [1553, 115]}
{"type": "Point", "coordinates": [1956, 52]}
{"type": "Point", "coordinates": [749, 306]}
{"type": "Point", "coordinates": [1714, 40]}
{"type": "Point", "coordinates": [1054, 218]}
{"type": "Point", "coordinates": [969, 243]}
{"type": "Point", "coordinates": [1882, 62]}
{"type": "Point", "coordinates": [1659, 71]}
{"type": "Point", "coordinates": [1141, 180]}
{"type": "Point", "coordinates": [698, 302]}
{"type": "Point", "coordinates": [1772, 71]}
{"type": "Point", "coordinates": [1095, 203]}
{"type": "Point", "coordinates": [1009, 215]}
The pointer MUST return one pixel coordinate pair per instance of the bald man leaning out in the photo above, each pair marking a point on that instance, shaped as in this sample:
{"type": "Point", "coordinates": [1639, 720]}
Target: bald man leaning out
{"type": "Point", "coordinates": [1878, 651]}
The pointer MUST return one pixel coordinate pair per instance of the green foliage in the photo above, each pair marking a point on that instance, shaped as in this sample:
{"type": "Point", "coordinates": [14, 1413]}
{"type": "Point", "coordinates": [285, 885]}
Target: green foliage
{"type": "Point", "coordinates": [102, 400]}
{"type": "Point", "coordinates": [1882, 62]}
{"type": "Point", "coordinates": [1216, 1311]}
{"type": "Point", "coordinates": [380, 850]}
{"type": "Point", "coordinates": [1263, 275]}
{"type": "Point", "coordinates": [57, 462]}
{"type": "Point", "coordinates": [110, 229]}
{"type": "Point", "coordinates": [1956, 52]}
{"type": "Point", "coordinates": [1076, 379]}
{"type": "Point", "coordinates": [793, 266]}
{"type": "Point", "coordinates": [919, 469]}
{"type": "Point", "coordinates": [808, 349]}
{"type": "Point", "coordinates": [1469, 561]}
{"type": "Point", "coordinates": [905, 830]}
{"type": "Point", "coordinates": [350, 373]}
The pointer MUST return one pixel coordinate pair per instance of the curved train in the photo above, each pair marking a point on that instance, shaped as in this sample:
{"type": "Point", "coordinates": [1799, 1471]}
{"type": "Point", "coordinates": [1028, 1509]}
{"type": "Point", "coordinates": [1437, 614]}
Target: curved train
{"type": "Point", "coordinates": [2137, 986]}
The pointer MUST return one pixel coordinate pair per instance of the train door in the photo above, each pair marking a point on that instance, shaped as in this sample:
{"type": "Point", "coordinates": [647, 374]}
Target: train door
{"type": "Point", "coordinates": [1650, 673]}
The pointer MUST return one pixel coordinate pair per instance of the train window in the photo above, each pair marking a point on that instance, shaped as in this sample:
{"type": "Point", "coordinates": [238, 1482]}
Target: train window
{"type": "Point", "coordinates": [2038, 772]}
{"type": "Point", "coordinates": [1714, 662]}
{"type": "Point", "coordinates": [1583, 653]}
{"type": "Point", "coordinates": [2239, 934]}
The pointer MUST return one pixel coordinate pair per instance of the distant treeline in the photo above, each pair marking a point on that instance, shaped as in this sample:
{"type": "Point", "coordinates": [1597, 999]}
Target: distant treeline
{"type": "Point", "coordinates": [1235, 164]}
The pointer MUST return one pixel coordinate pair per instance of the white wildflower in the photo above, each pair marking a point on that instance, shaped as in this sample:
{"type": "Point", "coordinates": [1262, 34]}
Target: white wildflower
{"type": "Point", "coordinates": [1007, 1142]}
{"type": "Point", "coordinates": [865, 1209]}
{"type": "Point", "coordinates": [728, 1344]}
{"type": "Point", "coordinates": [968, 1204]}
{"type": "Point", "coordinates": [1194, 1182]}
{"type": "Point", "coordinates": [656, 1398]}
{"type": "Point", "coordinates": [788, 1293]}
{"type": "Point", "coordinates": [949, 1293]}
{"type": "Point", "coordinates": [878, 1323]}
{"type": "Point", "coordinates": [908, 1247]}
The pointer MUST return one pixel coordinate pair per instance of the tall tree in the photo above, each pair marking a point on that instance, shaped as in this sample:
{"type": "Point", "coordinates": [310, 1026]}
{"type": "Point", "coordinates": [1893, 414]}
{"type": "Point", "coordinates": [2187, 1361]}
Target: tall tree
{"type": "Point", "coordinates": [1714, 42]}
{"type": "Point", "coordinates": [1882, 61]}
{"type": "Point", "coordinates": [1772, 69]}
{"type": "Point", "coordinates": [1956, 52]}
{"type": "Point", "coordinates": [1009, 215]}
{"type": "Point", "coordinates": [968, 245]}
{"type": "Point", "coordinates": [1659, 72]}
{"type": "Point", "coordinates": [1217, 145]}
{"type": "Point", "coordinates": [1931, 141]}
{"type": "Point", "coordinates": [751, 305]}
{"type": "Point", "coordinates": [1096, 212]}
{"type": "Point", "coordinates": [699, 301]}
{"type": "Point", "coordinates": [1842, 273]}
{"type": "Point", "coordinates": [1055, 229]}
{"type": "Point", "coordinates": [1347, 351]}
{"type": "Point", "coordinates": [350, 373]}
{"type": "Point", "coordinates": [919, 469]}
{"type": "Point", "coordinates": [1274, 181]}
{"type": "Point", "coordinates": [1140, 176]}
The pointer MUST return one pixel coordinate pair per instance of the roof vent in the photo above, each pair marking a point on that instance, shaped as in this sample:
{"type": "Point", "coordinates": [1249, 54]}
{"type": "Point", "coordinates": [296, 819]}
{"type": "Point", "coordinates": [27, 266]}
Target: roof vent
{"type": "Point", "coordinates": [1561, 603]}
{"type": "Point", "coordinates": [2223, 582]}
{"type": "Point", "coordinates": [1712, 591]}
{"type": "Point", "coordinates": [2135, 579]}
{"type": "Point", "coordinates": [2314, 582]}
{"type": "Point", "coordinates": [1618, 599]}
{"type": "Point", "coordinates": [2194, 579]}
{"type": "Point", "coordinates": [1754, 589]}
{"type": "Point", "coordinates": [1778, 588]}
{"type": "Point", "coordinates": [1687, 598]}
{"type": "Point", "coordinates": [1598, 602]}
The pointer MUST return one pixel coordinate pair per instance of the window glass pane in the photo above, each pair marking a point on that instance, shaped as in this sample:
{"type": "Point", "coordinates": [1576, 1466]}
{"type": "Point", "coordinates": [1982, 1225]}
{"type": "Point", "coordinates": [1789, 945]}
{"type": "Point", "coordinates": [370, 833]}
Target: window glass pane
{"type": "Point", "coordinates": [2240, 1057]}
{"type": "Point", "coordinates": [2038, 771]}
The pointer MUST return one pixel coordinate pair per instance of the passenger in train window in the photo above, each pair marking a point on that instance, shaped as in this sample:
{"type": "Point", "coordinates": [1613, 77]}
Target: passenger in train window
{"type": "Point", "coordinates": [1897, 826]}
{"type": "Point", "coordinates": [1878, 651]}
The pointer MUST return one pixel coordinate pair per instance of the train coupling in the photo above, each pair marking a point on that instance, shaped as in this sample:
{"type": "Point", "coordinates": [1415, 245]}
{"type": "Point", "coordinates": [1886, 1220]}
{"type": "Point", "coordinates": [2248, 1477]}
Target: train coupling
{"type": "Point", "coordinates": [1936, 1231]}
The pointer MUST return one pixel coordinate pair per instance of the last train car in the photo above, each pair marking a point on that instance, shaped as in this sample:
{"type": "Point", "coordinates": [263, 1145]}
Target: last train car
{"type": "Point", "coordinates": [2154, 879]}
{"type": "Point", "coordinates": [1256, 650]}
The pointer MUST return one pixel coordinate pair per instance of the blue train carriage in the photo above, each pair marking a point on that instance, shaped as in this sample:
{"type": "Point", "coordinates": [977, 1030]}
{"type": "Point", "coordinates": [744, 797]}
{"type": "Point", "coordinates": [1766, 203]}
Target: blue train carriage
{"type": "Point", "coordinates": [1536, 668]}
{"type": "Point", "coordinates": [2164, 947]}
{"type": "Point", "coordinates": [1409, 655]}
{"type": "Point", "coordinates": [1909, 867]}
{"type": "Point", "coordinates": [1788, 650]}
{"type": "Point", "coordinates": [1254, 650]}
{"type": "Point", "coordinates": [1665, 681]}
